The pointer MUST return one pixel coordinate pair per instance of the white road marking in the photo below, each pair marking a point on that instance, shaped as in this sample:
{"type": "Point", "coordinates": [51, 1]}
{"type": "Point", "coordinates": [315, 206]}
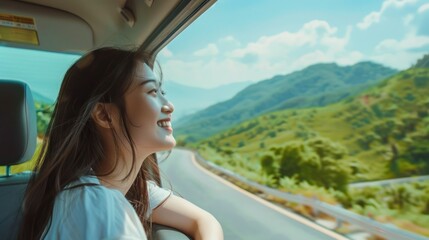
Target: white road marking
{"type": "Point", "coordinates": [268, 204]}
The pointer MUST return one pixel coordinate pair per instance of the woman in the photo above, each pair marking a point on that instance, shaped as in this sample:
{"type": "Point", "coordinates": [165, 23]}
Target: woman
{"type": "Point", "coordinates": [95, 166]}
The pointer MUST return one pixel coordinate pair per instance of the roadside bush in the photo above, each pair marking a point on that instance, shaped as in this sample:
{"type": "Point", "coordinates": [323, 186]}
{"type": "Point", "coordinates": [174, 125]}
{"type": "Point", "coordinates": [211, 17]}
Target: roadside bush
{"type": "Point", "coordinates": [317, 161]}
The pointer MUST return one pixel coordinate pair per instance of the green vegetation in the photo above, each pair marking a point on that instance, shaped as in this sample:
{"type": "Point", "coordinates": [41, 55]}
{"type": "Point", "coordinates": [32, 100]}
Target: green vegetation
{"type": "Point", "coordinates": [44, 113]}
{"type": "Point", "coordinates": [405, 205]}
{"type": "Point", "coordinates": [317, 161]}
{"type": "Point", "coordinates": [380, 133]}
{"type": "Point", "coordinates": [380, 127]}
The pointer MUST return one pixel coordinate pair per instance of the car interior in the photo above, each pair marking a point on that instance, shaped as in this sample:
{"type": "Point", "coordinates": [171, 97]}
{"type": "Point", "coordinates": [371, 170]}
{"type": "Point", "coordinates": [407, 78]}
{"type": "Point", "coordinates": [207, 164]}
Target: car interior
{"type": "Point", "coordinates": [18, 122]}
{"type": "Point", "coordinates": [72, 27]}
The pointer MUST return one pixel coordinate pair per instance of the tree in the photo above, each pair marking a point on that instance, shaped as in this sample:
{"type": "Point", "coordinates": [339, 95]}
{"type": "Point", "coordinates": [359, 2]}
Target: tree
{"type": "Point", "coordinates": [267, 164]}
{"type": "Point", "coordinates": [366, 140]}
{"type": "Point", "coordinates": [384, 129]}
{"type": "Point", "coordinates": [294, 153]}
{"type": "Point", "coordinates": [418, 154]}
{"type": "Point", "coordinates": [317, 161]}
{"type": "Point", "coordinates": [332, 172]}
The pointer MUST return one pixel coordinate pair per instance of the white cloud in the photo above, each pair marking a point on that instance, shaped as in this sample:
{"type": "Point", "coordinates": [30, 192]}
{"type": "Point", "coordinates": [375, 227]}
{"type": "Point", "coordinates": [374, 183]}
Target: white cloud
{"type": "Point", "coordinates": [310, 58]}
{"type": "Point", "coordinates": [268, 46]}
{"type": "Point", "coordinates": [166, 53]}
{"type": "Point", "coordinates": [227, 44]}
{"type": "Point", "coordinates": [410, 42]}
{"type": "Point", "coordinates": [397, 3]}
{"type": "Point", "coordinates": [374, 17]}
{"type": "Point", "coordinates": [210, 50]}
{"type": "Point", "coordinates": [335, 43]}
{"type": "Point", "coordinates": [316, 41]}
{"type": "Point", "coordinates": [350, 58]}
{"type": "Point", "coordinates": [229, 40]}
{"type": "Point", "coordinates": [317, 56]}
{"type": "Point", "coordinates": [314, 34]}
{"type": "Point", "coordinates": [208, 73]}
{"type": "Point", "coordinates": [401, 54]}
{"type": "Point", "coordinates": [399, 60]}
{"type": "Point", "coordinates": [423, 8]}
{"type": "Point", "coordinates": [408, 19]}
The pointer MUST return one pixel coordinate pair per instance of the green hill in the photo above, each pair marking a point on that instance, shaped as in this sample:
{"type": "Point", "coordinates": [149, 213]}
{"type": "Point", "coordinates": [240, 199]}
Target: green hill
{"type": "Point", "coordinates": [384, 130]}
{"type": "Point", "coordinates": [317, 85]}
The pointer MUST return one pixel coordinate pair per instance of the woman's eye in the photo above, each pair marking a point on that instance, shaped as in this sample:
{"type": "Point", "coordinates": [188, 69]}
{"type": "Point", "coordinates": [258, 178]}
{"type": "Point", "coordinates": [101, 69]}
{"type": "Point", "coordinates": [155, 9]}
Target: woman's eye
{"type": "Point", "coordinates": [155, 91]}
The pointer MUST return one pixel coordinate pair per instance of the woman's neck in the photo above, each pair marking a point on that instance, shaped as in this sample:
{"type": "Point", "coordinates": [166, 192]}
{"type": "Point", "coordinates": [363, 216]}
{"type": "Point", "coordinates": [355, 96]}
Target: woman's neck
{"type": "Point", "coordinates": [123, 175]}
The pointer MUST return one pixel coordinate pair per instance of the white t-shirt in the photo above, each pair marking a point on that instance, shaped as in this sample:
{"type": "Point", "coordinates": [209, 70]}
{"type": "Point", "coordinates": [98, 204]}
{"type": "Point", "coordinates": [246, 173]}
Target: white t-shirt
{"type": "Point", "coordinates": [97, 212]}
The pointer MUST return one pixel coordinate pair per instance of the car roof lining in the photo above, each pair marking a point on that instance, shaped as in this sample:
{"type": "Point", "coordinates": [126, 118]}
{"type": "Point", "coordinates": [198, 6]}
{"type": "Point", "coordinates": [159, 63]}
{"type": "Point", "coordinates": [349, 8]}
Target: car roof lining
{"type": "Point", "coordinates": [100, 22]}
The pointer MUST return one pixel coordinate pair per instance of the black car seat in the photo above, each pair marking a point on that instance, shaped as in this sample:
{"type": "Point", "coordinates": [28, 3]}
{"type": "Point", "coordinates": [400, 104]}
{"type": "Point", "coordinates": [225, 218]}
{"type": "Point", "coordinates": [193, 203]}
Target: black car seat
{"type": "Point", "coordinates": [18, 137]}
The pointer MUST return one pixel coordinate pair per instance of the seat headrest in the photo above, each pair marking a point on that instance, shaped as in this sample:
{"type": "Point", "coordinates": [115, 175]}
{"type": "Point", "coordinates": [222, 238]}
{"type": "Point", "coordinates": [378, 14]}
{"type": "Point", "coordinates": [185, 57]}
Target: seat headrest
{"type": "Point", "coordinates": [18, 124]}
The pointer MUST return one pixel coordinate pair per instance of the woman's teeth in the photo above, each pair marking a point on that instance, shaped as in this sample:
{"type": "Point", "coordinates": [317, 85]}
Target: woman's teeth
{"type": "Point", "coordinates": [164, 123]}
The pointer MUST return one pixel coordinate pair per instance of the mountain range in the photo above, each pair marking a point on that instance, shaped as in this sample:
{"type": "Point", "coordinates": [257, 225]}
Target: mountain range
{"type": "Point", "coordinates": [316, 85]}
{"type": "Point", "coordinates": [189, 99]}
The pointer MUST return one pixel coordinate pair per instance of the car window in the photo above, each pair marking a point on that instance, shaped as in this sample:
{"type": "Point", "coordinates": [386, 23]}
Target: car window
{"type": "Point", "coordinates": [43, 71]}
{"type": "Point", "coordinates": [306, 103]}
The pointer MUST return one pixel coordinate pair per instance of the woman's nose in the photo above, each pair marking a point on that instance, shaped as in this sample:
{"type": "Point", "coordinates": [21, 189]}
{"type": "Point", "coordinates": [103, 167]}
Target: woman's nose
{"type": "Point", "coordinates": [167, 108]}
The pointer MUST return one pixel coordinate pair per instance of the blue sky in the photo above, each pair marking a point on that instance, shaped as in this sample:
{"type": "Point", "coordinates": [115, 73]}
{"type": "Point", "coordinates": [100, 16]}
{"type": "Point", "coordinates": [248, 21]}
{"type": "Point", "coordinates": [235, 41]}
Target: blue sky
{"type": "Point", "coordinates": [42, 75]}
{"type": "Point", "coordinates": [253, 40]}
{"type": "Point", "coordinates": [245, 40]}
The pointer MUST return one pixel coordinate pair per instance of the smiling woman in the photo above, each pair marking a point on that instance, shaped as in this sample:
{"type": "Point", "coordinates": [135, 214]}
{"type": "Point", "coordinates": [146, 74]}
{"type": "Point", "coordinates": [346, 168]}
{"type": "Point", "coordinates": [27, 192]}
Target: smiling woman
{"type": "Point", "coordinates": [144, 101]}
{"type": "Point", "coordinates": [105, 124]}
{"type": "Point", "coordinates": [96, 164]}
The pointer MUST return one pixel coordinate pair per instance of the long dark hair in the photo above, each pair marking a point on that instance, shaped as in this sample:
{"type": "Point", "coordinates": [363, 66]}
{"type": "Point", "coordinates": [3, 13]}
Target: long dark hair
{"type": "Point", "coordinates": [72, 146]}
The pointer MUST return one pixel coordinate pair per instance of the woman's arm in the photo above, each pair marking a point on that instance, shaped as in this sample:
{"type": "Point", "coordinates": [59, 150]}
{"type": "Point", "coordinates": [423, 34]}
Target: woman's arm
{"type": "Point", "coordinates": [186, 217]}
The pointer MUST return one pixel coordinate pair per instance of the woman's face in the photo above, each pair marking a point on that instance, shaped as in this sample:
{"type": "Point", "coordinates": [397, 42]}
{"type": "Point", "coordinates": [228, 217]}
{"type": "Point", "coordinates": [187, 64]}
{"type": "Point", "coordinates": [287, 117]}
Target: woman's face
{"type": "Point", "coordinates": [149, 112]}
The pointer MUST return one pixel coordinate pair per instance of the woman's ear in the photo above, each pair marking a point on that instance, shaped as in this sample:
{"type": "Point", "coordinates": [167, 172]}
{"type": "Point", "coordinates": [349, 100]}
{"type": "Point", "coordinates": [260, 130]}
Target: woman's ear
{"type": "Point", "coordinates": [101, 115]}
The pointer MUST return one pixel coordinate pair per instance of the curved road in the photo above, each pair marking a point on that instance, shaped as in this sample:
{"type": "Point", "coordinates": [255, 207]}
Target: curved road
{"type": "Point", "coordinates": [241, 214]}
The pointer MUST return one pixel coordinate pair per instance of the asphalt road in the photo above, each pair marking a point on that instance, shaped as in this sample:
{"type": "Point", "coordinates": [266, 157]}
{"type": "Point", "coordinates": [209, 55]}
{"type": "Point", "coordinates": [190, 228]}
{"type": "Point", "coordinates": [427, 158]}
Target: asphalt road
{"type": "Point", "coordinates": [241, 214]}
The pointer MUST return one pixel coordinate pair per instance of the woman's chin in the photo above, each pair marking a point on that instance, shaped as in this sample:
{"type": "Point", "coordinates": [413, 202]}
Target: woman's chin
{"type": "Point", "coordinates": [173, 144]}
{"type": "Point", "coordinates": [170, 143]}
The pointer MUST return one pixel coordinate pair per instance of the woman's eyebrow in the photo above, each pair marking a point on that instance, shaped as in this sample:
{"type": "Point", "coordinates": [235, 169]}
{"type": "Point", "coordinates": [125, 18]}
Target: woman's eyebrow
{"type": "Point", "coordinates": [147, 81]}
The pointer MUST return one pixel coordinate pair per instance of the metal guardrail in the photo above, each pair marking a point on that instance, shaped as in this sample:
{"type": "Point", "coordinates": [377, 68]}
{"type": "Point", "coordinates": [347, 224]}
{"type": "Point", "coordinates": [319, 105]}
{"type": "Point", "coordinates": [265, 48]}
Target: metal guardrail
{"type": "Point", "coordinates": [369, 225]}
{"type": "Point", "coordinates": [389, 182]}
